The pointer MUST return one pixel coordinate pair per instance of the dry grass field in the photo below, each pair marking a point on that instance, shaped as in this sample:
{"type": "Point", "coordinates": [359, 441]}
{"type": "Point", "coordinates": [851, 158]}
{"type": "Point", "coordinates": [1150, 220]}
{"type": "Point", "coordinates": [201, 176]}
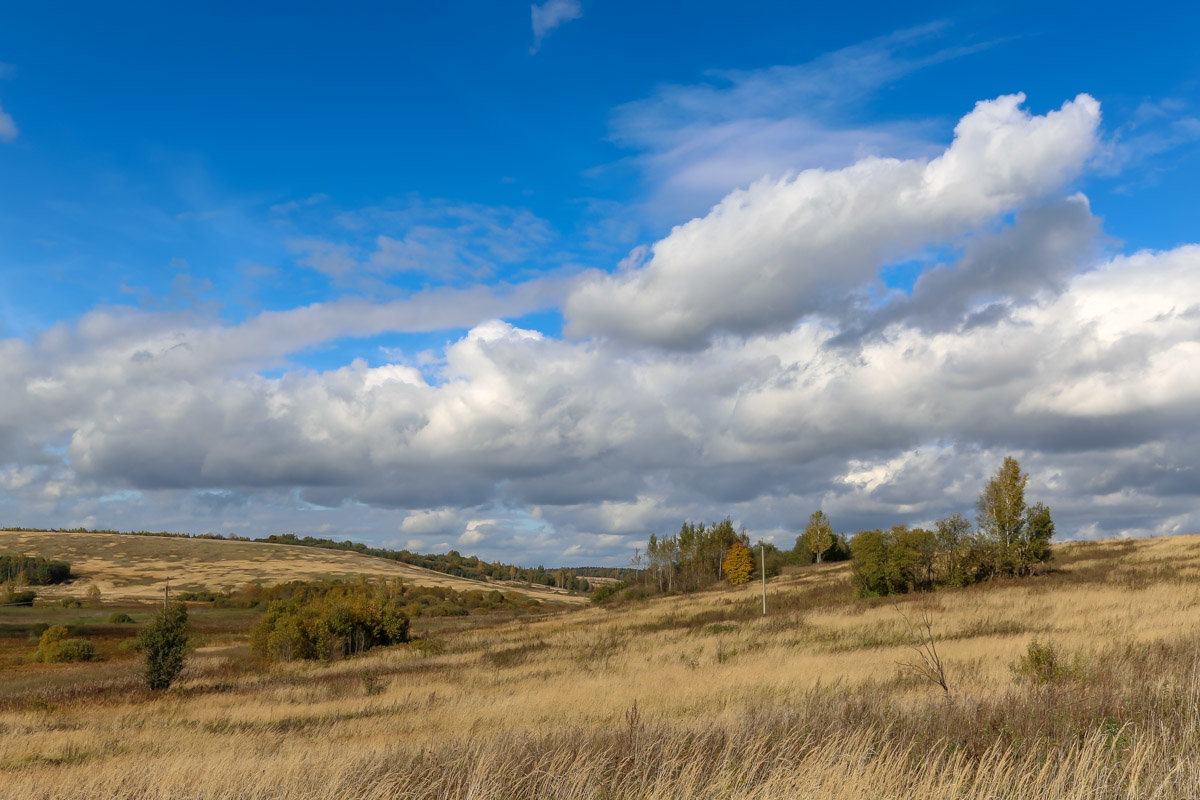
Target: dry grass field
{"type": "Point", "coordinates": [126, 567]}
{"type": "Point", "coordinates": [696, 696]}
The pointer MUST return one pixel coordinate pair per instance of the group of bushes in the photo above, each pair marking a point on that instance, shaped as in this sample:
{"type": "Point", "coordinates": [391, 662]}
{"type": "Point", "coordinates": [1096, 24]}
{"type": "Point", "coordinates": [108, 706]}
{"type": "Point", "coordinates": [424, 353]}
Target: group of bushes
{"type": "Point", "coordinates": [325, 621]}
{"type": "Point", "coordinates": [55, 647]}
{"type": "Point", "coordinates": [415, 601]}
{"type": "Point", "coordinates": [328, 620]}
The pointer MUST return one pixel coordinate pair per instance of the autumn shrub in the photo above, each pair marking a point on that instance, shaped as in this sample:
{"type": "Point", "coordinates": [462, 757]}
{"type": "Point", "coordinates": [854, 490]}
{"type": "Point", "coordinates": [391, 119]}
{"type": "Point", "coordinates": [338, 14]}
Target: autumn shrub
{"type": "Point", "coordinates": [448, 608]}
{"type": "Point", "coordinates": [55, 648]}
{"type": "Point", "coordinates": [738, 565]}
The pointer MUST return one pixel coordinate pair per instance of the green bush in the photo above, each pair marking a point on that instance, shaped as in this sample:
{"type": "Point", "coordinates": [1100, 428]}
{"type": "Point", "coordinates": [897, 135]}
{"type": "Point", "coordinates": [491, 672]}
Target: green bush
{"type": "Point", "coordinates": [607, 592]}
{"type": "Point", "coordinates": [164, 642]}
{"type": "Point", "coordinates": [120, 617]}
{"type": "Point", "coordinates": [71, 602]}
{"type": "Point", "coordinates": [332, 620]}
{"type": "Point", "coordinates": [1043, 663]}
{"type": "Point", "coordinates": [71, 650]}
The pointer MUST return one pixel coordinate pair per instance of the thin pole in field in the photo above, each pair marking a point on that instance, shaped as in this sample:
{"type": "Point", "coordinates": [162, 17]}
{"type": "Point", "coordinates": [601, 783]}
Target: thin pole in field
{"type": "Point", "coordinates": [762, 550]}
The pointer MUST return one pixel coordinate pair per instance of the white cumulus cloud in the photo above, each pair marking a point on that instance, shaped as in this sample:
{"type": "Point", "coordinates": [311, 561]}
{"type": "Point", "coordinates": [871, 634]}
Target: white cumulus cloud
{"type": "Point", "coordinates": [768, 255]}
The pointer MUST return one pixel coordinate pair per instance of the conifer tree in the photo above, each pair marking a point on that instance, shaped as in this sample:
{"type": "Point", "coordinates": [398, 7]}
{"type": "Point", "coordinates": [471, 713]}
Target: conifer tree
{"type": "Point", "coordinates": [165, 644]}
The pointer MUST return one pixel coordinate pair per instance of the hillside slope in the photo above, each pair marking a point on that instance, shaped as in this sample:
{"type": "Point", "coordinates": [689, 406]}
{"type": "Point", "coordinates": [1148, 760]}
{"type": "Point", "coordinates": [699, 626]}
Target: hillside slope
{"type": "Point", "coordinates": [128, 567]}
{"type": "Point", "coordinates": [1080, 682]}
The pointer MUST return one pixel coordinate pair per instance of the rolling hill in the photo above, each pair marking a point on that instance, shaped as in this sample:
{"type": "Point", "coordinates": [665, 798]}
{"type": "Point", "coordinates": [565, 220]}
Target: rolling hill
{"type": "Point", "coordinates": [131, 567]}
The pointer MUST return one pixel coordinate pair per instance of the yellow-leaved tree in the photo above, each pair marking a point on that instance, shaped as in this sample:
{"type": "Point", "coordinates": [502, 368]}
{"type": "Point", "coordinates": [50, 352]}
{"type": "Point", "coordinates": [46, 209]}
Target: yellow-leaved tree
{"type": "Point", "coordinates": [738, 564]}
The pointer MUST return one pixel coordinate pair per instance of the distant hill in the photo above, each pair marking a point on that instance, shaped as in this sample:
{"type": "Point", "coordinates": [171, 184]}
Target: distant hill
{"type": "Point", "coordinates": [133, 567]}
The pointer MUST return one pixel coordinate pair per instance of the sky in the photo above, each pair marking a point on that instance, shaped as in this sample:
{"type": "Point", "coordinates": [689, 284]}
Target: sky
{"type": "Point", "coordinates": [535, 281]}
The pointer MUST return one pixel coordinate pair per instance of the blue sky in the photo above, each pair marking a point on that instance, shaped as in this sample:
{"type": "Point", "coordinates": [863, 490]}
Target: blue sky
{"type": "Point", "coordinates": [515, 278]}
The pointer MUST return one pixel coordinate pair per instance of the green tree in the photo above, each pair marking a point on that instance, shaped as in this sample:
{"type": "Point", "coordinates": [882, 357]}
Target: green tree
{"type": "Point", "coordinates": [955, 543]}
{"type": "Point", "coordinates": [164, 642]}
{"type": "Point", "coordinates": [818, 534]}
{"type": "Point", "coordinates": [1018, 537]}
{"type": "Point", "coordinates": [1033, 544]}
{"type": "Point", "coordinates": [869, 567]}
{"type": "Point", "coordinates": [914, 557]}
{"type": "Point", "coordinates": [1001, 510]}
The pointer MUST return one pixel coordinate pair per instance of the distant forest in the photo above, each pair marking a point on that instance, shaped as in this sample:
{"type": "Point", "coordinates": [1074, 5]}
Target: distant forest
{"type": "Point", "coordinates": [455, 563]}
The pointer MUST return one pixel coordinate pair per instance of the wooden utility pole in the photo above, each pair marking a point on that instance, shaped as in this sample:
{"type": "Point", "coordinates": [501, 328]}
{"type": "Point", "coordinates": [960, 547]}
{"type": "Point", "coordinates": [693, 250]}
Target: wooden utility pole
{"type": "Point", "coordinates": [762, 550]}
{"type": "Point", "coordinates": [166, 594]}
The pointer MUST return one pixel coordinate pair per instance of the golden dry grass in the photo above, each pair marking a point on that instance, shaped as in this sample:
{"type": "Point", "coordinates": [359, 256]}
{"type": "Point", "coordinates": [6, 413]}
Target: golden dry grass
{"type": "Point", "coordinates": [696, 696]}
{"type": "Point", "coordinates": [126, 567]}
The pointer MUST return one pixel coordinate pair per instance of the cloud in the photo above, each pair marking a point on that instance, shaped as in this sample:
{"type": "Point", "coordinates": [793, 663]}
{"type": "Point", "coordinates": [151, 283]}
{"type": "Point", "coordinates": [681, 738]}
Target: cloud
{"type": "Point", "coordinates": [608, 442]}
{"type": "Point", "coordinates": [477, 531]}
{"type": "Point", "coordinates": [785, 248]}
{"type": "Point", "coordinates": [750, 364]}
{"type": "Point", "coordinates": [8, 127]}
{"type": "Point", "coordinates": [549, 15]}
{"type": "Point", "coordinates": [1033, 258]}
{"type": "Point", "coordinates": [439, 240]}
{"type": "Point", "coordinates": [433, 522]}
{"type": "Point", "coordinates": [696, 142]}
{"type": "Point", "coordinates": [1155, 129]}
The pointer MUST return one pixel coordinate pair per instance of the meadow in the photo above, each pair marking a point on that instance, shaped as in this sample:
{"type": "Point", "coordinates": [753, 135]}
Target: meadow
{"type": "Point", "coordinates": [129, 567]}
{"type": "Point", "coordinates": [1081, 682]}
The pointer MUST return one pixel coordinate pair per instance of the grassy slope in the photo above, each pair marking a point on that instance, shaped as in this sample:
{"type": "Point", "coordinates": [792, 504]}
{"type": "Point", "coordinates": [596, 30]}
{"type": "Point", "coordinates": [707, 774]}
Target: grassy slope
{"type": "Point", "coordinates": [128, 567]}
{"type": "Point", "coordinates": [696, 696]}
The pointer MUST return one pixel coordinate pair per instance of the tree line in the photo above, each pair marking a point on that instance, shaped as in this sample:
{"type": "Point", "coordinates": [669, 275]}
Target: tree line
{"type": "Point", "coordinates": [22, 570]}
{"type": "Point", "coordinates": [1011, 538]}
{"type": "Point", "coordinates": [702, 554]}
{"type": "Point", "coordinates": [451, 563]}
